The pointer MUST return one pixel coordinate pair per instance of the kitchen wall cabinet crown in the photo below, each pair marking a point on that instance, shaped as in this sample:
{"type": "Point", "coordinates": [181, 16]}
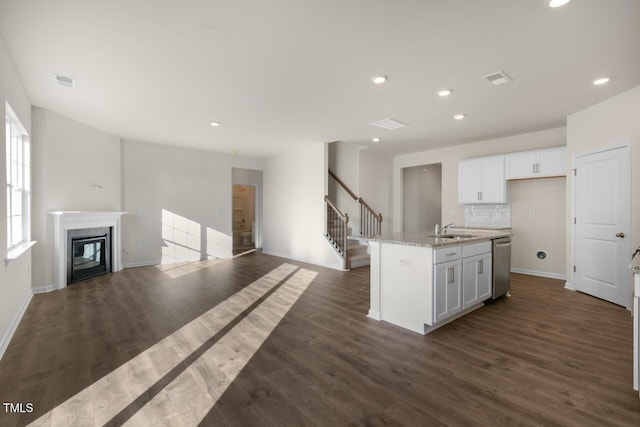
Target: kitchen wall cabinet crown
{"type": "Point", "coordinates": [536, 164]}
{"type": "Point", "coordinates": [482, 180]}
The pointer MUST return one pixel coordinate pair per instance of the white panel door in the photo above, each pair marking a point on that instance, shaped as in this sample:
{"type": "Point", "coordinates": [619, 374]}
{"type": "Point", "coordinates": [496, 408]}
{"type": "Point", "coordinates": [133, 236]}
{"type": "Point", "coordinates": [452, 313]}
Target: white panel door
{"type": "Point", "coordinates": [603, 225]}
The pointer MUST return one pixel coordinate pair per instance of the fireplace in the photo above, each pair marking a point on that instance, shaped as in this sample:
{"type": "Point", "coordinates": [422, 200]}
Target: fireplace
{"type": "Point", "coordinates": [92, 239]}
{"type": "Point", "coordinates": [88, 253]}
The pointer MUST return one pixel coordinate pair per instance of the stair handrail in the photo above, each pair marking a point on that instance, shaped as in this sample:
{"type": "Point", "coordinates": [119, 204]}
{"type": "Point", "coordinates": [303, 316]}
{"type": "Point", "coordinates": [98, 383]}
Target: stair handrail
{"type": "Point", "coordinates": [338, 236]}
{"type": "Point", "coordinates": [344, 216]}
{"type": "Point", "coordinates": [343, 185]}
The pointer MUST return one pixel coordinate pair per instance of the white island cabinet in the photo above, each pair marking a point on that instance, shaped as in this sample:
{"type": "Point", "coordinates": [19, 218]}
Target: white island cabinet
{"type": "Point", "coordinates": [405, 291]}
{"type": "Point", "coordinates": [477, 273]}
{"type": "Point", "coordinates": [422, 284]}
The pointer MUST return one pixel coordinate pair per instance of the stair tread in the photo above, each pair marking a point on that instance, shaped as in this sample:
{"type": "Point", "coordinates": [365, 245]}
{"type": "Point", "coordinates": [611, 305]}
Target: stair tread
{"type": "Point", "coordinates": [361, 256]}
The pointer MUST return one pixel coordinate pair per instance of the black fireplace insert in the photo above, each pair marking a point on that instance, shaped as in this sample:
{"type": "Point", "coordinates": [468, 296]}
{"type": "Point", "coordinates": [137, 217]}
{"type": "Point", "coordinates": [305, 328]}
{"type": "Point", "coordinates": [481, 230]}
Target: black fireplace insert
{"type": "Point", "coordinates": [88, 253]}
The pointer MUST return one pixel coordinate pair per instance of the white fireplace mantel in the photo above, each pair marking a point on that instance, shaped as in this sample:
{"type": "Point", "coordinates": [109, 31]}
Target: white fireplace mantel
{"type": "Point", "coordinates": [64, 221]}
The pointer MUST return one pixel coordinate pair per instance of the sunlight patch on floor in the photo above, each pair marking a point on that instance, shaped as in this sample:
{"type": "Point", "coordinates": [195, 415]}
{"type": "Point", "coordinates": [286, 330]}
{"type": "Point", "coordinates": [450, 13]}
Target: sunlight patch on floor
{"type": "Point", "coordinates": [188, 399]}
{"type": "Point", "coordinates": [180, 269]}
{"type": "Point", "coordinates": [107, 397]}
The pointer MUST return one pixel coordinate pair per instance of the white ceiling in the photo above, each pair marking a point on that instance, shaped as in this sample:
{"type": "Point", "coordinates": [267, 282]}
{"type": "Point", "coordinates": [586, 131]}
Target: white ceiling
{"type": "Point", "coordinates": [280, 73]}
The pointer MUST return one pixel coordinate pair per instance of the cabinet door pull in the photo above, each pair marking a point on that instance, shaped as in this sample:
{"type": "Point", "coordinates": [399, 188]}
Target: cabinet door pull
{"type": "Point", "coordinates": [450, 275]}
{"type": "Point", "coordinates": [480, 267]}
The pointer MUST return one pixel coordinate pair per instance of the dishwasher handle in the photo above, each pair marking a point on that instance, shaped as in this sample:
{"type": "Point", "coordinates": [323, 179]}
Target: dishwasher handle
{"type": "Point", "coordinates": [503, 245]}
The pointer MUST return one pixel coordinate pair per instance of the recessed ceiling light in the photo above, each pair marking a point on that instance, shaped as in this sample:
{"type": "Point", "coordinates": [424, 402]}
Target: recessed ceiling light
{"type": "Point", "coordinates": [214, 124]}
{"type": "Point", "coordinates": [379, 79]}
{"type": "Point", "coordinates": [601, 81]}
{"type": "Point", "coordinates": [376, 139]}
{"type": "Point", "coordinates": [444, 92]}
{"type": "Point", "coordinates": [558, 3]}
{"type": "Point", "coordinates": [459, 116]}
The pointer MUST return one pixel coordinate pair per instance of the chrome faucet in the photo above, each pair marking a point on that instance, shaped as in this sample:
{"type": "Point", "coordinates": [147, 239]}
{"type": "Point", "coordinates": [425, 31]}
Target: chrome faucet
{"type": "Point", "coordinates": [443, 228]}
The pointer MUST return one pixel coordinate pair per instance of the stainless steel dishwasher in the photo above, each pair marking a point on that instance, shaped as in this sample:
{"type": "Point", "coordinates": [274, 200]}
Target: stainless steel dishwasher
{"type": "Point", "coordinates": [501, 261]}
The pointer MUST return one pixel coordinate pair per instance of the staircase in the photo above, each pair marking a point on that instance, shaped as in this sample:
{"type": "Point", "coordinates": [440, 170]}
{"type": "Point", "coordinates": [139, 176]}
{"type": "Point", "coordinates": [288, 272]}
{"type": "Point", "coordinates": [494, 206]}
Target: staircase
{"type": "Point", "coordinates": [338, 229]}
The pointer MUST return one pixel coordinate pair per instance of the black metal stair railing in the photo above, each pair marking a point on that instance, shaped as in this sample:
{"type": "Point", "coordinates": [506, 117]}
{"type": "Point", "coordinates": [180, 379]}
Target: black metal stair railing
{"type": "Point", "coordinates": [337, 230]}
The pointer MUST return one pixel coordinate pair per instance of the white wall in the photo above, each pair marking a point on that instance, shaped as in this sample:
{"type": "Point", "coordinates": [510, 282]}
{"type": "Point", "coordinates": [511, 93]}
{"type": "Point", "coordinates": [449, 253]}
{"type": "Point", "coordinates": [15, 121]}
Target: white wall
{"type": "Point", "coordinates": [376, 179]}
{"type": "Point", "coordinates": [15, 278]}
{"type": "Point", "coordinates": [602, 126]}
{"type": "Point", "coordinates": [75, 168]}
{"type": "Point", "coordinates": [295, 184]}
{"type": "Point", "coordinates": [194, 190]}
{"type": "Point", "coordinates": [422, 197]}
{"type": "Point", "coordinates": [537, 221]}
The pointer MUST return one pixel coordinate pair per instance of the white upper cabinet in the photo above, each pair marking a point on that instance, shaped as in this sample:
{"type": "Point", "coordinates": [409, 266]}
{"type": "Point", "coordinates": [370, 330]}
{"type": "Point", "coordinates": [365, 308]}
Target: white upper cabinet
{"type": "Point", "coordinates": [482, 180]}
{"type": "Point", "coordinates": [536, 164]}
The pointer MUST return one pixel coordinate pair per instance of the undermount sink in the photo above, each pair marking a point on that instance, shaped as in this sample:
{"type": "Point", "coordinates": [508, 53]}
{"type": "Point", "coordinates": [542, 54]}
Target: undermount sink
{"type": "Point", "coordinates": [452, 236]}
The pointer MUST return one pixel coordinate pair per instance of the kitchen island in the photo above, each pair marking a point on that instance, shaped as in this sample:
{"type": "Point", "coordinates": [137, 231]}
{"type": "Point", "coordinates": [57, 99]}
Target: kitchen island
{"type": "Point", "coordinates": [421, 281]}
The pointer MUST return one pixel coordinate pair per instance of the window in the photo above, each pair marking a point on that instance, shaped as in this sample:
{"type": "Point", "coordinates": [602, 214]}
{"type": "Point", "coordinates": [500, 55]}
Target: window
{"type": "Point", "coordinates": [18, 181]}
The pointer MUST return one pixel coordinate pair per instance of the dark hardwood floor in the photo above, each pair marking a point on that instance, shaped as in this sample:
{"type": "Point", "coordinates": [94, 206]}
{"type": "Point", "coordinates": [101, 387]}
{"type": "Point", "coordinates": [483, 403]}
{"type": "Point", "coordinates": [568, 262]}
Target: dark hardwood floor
{"type": "Point", "coordinates": [545, 356]}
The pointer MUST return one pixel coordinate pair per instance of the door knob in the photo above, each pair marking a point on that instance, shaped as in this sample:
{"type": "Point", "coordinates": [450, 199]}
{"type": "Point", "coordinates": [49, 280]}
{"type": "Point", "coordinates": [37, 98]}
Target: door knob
{"type": "Point", "coordinates": [621, 235]}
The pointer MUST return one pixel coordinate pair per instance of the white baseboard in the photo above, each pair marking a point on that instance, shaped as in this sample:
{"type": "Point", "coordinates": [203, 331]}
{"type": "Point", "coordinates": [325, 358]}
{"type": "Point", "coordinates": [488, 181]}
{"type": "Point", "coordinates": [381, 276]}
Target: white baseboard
{"type": "Point", "coordinates": [374, 314]}
{"type": "Point", "coordinates": [569, 285]}
{"type": "Point", "coordinates": [539, 273]}
{"type": "Point", "coordinates": [14, 324]}
{"type": "Point", "coordinates": [44, 289]}
{"type": "Point", "coordinates": [140, 264]}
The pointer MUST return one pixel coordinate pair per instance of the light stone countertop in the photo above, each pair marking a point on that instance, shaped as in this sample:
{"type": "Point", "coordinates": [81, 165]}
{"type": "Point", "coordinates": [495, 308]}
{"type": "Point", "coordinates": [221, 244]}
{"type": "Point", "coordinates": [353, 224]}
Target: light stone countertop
{"type": "Point", "coordinates": [426, 239]}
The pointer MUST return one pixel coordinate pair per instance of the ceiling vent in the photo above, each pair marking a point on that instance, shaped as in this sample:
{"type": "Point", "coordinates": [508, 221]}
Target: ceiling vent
{"type": "Point", "coordinates": [65, 81]}
{"type": "Point", "coordinates": [389, 124]}
{"type": "Point", "coordinates": [498, 78]}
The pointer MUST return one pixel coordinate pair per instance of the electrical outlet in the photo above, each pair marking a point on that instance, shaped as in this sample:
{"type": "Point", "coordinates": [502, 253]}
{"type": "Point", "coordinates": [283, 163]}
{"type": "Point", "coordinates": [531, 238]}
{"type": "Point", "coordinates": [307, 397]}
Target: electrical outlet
{"type": "Point", "coordinates": [405, 262]}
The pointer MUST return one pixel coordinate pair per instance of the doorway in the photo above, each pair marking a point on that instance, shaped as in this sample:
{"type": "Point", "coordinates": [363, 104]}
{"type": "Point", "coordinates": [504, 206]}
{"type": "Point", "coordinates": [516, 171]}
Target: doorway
{"type": "Point", "coordinates": [244, 218]}
{"type": "Point", "coordinates": [421, 197]}
{"type": "Point", "coordinates": [603, 225]}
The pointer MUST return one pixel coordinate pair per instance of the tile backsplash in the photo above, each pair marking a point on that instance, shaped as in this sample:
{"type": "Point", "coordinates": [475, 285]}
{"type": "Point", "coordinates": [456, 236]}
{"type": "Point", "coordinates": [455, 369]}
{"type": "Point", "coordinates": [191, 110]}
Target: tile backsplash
{"type": "Point", "coordinates": [488, 215]}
